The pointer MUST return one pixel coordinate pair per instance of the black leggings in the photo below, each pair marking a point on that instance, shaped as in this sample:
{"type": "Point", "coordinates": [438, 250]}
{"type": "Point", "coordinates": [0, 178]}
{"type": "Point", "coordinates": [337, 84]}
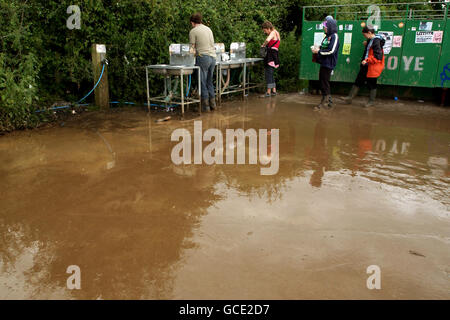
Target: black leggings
{"type": "Point", "coordinates": [324, 78]}
{"type": "Point", "coordinates": [270, 79]}
{"type": "Point", "coordinates": [362, 79]}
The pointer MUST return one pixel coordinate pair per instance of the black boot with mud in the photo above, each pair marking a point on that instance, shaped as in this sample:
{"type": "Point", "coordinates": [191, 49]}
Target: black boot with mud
{"type": "Point", "coordinates": [329, 102]}
{"type": "Point", "coordinates": [351, 95]}
{"type": "Point", "coordinates": [212, 104]}
{"type": "Point", "coordinates": [205, 105]}
{"type": "Point", "coordinates": [321, 104]}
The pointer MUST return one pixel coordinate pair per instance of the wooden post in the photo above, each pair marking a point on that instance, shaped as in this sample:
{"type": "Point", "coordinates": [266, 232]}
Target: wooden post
{"type": "Point", "coordinates": [102, 90]}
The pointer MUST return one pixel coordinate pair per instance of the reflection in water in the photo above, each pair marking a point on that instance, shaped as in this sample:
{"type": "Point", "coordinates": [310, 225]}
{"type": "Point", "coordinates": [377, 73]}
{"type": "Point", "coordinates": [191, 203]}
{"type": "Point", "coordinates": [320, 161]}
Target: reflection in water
{"type": "Point", "coordinates": [361, 143]}
{"type": "Point", "coordinates": [103, 194]}
{"type": "Point", "coordinates": [319, 153]}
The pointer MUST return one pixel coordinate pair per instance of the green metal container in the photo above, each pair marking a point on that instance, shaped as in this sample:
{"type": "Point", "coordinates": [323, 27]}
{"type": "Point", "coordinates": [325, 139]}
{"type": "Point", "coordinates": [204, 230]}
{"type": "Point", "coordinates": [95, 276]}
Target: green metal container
{"type": "Point", "coordinates": [443, 72]}
{"type": "Point", "coordinates": [417, 52]}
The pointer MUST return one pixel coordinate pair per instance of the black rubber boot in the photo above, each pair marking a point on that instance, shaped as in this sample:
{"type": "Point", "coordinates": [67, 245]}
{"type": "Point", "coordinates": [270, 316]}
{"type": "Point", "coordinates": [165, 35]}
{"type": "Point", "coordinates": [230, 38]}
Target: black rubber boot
{"type": "Point", "coordinates": [212, 104]}
{"type": "Point", "coordinates": [372, 96]}
{"type": "Point", "coordinates": [329, 102]}
{"type": "Point", "coordinates": [351, 95]}
{"type": "Point", "coordinates": [205, 105]}
{"type": "Point", "coordinates": [321, 104]}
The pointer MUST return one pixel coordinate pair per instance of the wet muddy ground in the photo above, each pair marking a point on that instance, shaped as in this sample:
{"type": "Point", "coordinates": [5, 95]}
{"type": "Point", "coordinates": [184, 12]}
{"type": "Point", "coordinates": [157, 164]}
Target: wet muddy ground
{"type": "Point", "coordinates": [355, 188]}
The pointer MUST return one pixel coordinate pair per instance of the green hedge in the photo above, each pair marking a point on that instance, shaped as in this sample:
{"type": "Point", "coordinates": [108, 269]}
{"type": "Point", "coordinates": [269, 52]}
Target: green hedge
{"type": "Point", "coordinates": [42, 61]}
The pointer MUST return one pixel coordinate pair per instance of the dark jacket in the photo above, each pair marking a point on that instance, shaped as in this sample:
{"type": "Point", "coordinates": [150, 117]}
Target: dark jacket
{"type": "Point", "coordinates": [374, 56]}
{"type": "Point", "coordinates": [329, 49]}
{"type": "Point", "coordinates": [376, 46]}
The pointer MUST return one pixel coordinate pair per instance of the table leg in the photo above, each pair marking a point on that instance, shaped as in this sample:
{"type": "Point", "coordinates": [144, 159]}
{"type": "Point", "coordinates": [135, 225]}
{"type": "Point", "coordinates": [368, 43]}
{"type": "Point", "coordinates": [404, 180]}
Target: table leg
{"type": "Point", "coordinates": [244, 77]}
{"type": "Point", "coordinates": [148, 89]}
{"type": "Point", "coordinates": [217, 83]}
{"type": "Point", "coordinates": [182, 92]}
{"type": "Point", "coordinates": [199, 91]}
{"type": "Point", "coordinates": [166, 78]}
{"type": "Point", "coordinates": [220, 84]}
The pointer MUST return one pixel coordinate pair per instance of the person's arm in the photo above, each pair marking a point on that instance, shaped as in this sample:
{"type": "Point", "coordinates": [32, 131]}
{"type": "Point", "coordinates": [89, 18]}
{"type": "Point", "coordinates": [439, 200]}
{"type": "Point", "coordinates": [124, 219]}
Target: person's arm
{"type": "Point", "coordinates": [270, 37]}
{"type": "Point", "coordinates": [192, 40]}
{"type": "Point", "coordinates": [332, 47]}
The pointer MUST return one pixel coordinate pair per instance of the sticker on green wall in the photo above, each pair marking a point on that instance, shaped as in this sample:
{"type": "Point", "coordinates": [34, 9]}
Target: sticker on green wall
{"type": "Point", "coordinates": [347, 43]}
{"type": "Point", "coordinates": [424, 37]}
{"type": "Point", "coordinates": [397, 42]}
{"type": "Point", "coordinates": [318, 38]}
{"type": "Point", "coordinates": [437, 36]}
{"type": "Point", "coordinates": [425, 26]}
{"type": "Point", "coordinates": [388, 38]}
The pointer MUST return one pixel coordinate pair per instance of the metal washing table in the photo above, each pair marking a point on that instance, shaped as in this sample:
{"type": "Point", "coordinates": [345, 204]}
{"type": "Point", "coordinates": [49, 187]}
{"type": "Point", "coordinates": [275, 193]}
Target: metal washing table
{"type": "Point", "coordinates": [168, 71]}
{"type": "Point", "coordinates": [224, 88]}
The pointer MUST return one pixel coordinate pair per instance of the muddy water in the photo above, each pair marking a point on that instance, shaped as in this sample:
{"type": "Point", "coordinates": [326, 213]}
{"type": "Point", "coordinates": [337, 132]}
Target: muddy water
{"type": "Point", "coordinates": [355, 188]}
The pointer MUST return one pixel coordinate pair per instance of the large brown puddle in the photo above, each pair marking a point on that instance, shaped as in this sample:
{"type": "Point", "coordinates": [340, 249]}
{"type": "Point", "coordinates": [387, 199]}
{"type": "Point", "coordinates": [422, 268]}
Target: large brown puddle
{"type": "Point", "coordinates": [354, 188]}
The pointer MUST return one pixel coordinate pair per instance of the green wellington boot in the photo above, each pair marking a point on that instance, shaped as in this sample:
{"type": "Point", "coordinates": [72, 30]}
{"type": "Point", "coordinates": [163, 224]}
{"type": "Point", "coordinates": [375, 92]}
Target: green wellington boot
{"type": "Point", "coordinates": [372, 96]}
{"type": "Point", "coordinates": [351, 95]}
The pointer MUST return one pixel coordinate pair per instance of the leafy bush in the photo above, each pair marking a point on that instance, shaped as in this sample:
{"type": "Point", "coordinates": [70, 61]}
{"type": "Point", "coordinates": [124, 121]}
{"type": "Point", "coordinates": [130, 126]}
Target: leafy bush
{"type": "Point", "coordinates": [287, 75]}
{"type": "Point", "coordinates": [19, 69]}
{"type": "Point", "coordinates": [42, 58]}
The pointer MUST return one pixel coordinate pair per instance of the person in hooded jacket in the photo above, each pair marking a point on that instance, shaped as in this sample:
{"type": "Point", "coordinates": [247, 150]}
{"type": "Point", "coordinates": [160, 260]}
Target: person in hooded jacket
{"type": "Point", "coordinates": [372, 65]}
{"type": "Point", "coordinates": [327, 57]}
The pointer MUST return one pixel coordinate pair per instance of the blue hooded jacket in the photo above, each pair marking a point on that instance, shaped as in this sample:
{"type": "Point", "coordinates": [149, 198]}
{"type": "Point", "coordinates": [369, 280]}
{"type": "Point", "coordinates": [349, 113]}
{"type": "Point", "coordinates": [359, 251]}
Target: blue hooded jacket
{"type": "Point", "coordinates": [329, 49]}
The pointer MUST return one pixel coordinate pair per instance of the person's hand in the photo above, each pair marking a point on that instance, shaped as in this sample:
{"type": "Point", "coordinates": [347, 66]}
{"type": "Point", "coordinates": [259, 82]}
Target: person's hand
{"type": "Point", "coordinates": [315, 50]}
{"type": "Point", "coordinates": [364, 62]}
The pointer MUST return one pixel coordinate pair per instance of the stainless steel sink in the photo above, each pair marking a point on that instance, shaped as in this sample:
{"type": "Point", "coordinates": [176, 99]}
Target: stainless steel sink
{"type": "Point", "coordinates": [167, 69]}
{"type": "Point", "coordinates": [177, 71]}
{"type": "Point", "coordinates": [234, 64]}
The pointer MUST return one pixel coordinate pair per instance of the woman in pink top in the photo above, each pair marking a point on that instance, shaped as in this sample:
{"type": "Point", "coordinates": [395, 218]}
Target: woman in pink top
{"type": "Point", "coordinates": [271, 60]}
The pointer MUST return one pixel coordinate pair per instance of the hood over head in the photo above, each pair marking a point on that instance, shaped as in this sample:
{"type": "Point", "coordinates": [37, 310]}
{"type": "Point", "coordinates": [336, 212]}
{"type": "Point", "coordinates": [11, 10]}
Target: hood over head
{"type": "Point", "coordinates": [331, 25]}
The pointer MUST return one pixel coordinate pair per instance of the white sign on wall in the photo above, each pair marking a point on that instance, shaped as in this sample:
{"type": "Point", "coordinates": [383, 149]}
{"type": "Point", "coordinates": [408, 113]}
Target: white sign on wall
{"type": "Point", "coordinates": [318, 38]}
{"type": "Point", "coordinates": [388, 37]}
{"type": "Point", "coordinates": [424, 36]}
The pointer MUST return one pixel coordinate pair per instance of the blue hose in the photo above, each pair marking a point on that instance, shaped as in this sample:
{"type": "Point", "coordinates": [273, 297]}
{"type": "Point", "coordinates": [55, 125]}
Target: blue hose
{"type": "Point", "coordinates": [61, 107]}
{"type": "Point", "coordinates": [78, 103]}
{"type": "Point", "coordinates": [99, 79]}
{"type": "Point", "coordinates": [189, 87]}
{"type": "Point", "coordinates": [118, 102]}
{"type": "Point", "coordinates": [112, 102]}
